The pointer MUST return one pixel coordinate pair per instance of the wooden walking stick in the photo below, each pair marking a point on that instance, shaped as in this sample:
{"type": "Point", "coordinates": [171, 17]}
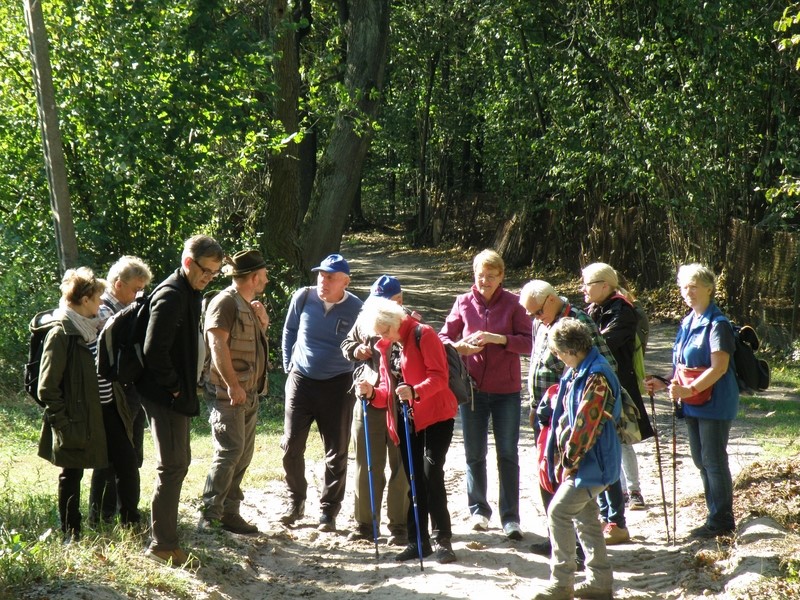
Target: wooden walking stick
{"type": "Point", "coordinates": [660, 471]}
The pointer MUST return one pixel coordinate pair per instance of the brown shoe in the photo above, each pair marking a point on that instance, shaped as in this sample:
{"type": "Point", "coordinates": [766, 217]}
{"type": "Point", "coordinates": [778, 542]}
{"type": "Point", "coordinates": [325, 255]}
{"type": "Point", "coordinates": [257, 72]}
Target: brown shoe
{"type": "Point", "coordinates": [589, 591]}
{"type": "Point", "coordinates": [615, 534]}
{"type": "Point", "coordinates": [236, 524]}
{"type": "Point", "coordinates": [173, 558]}
{"type": "Point", "coordinates": [555, 592]}
{"type": "Point", "coordinates": [295, 512]}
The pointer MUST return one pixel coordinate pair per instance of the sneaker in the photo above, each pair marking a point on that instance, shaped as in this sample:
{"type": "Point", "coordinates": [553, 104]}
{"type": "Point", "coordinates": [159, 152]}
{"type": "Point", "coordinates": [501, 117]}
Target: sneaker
{"type": "Point", "coordinates": [542, 548]}
{"type": "Point", "coordinates": [208, 524]}
{"type": "Point", "coordinates": [234, 523]}
{"type": "Point", "coordinates": [361, 532]}
{"type": "Point", "coordinates": [294, 513]}
{"type": "Point", "coordinates": [326, 523]}
{"type": "Point", "coordinates": [706, 531]}
{"type": "Point", "coordinates": [479, 522]}
{"type": "Point", "coordinates": [589, 591]}
{"type": "Point", "coordinates": [555, 592]}
{"type": "Point", "coordinates": [615, 534]}
{"type": "Point", "coordinates": [444, 552]}
{"type": "Point", "coordinates": [411, 552]}
{"type": "Point", "coordinates": [173, 558]}
{"type": "Point", "coordinates": [636, 501]}
{"type": "Point", "coordinates": [512, 531]}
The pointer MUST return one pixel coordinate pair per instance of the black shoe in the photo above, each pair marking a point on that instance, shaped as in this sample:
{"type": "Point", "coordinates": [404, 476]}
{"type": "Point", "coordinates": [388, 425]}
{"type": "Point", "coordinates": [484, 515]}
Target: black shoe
{"type": "Point", "coordinates": [327, 523]}
{"type": "Point", "coordinates": [294, 513]}
{"type": "Point", "coordinates": [411, 552]}
{"type": "Point", "coordinates": [706, 531]}
{"type": "Point", "coordinates": [234, 523]}
{"type": "Point", "coordinates": [361, 532]}
{"type": "Point", "coordinates": [542, 548]}
{"type": "Point", "coordinates": [444, 552]}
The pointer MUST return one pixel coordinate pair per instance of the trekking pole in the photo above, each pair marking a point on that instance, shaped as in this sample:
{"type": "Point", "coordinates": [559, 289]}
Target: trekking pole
{"type": "Point", "coordinates": [413, 484]}
{"type": "Point", "coordinates": [369, 472]}
{"type": "Point", "coordinates": [658, 460]}
{"type": "Point", "coordinates": [674, 469]}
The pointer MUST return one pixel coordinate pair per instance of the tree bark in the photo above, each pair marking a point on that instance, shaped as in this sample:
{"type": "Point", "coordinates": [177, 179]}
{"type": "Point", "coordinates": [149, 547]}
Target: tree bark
{"type": "Point", "coordinates": [339, 169]}
{"type": "Point", "coordinates": [55, 165]}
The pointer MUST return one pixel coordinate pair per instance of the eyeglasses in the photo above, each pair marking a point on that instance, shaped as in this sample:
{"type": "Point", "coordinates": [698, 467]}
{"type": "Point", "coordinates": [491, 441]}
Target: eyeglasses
{"type": "Point", "coordinates": [586, 285]}
{"type": "Point", "coordinates": [540, 311]}
{"type": "Point", "coordinates": [207, 272]}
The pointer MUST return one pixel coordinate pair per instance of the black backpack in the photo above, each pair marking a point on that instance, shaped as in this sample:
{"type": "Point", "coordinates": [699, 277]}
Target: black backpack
{"type": "Point", "coordinates": [120, 345]}
{"type": "Point", "coordinates": [752, 373]}
{"type": "Point", "coordinates": [39, 326]}
{"type": "Point", "coordinates": [458, 379]}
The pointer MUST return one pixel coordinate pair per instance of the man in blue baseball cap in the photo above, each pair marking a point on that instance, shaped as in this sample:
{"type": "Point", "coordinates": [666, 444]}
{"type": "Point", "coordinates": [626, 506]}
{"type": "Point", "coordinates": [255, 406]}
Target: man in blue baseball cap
{"type": "Point", "coordinates": [318, 386]}
{"type": "Point", "coordinates": [359, 347]}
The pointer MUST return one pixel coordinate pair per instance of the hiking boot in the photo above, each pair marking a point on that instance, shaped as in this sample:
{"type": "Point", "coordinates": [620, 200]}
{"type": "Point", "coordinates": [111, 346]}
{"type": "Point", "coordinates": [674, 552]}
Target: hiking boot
{"type": "Point", "coordinates": [590, 591]}
{"type": "Point", "coordinates": [398, 537]}
{"type": "Point", "coordinates": [294, 513]}
{"type": "Point", "coordinates": [173, 558]}
{"type": "Point", "coordinates": [326, 523]}
{"type": "Point", "coordinates": [636, 501]}
{"type": "Point", "coordinates": [706, 531]}
{"type": "Point", "coordinates": [208, 524]}
{"type": "Point", "coordinates": [513, 531]}
{"type": "Point", "coordinates": [410, 552]}
{"type": "Point", "coordinates": [234, 523]}
{"type": "Point", "coordinates": [361, 532]}
{"type": "Point", "coordinates": [479, 522]}
{"type": "Point", "coordinates": [444, 552]}
{"type": "Point", "coordinates": [542, 548]}
{"type": "Point", "coordinates": [615, 534]}
{"type": "Point", "coordinates": [555, 592]}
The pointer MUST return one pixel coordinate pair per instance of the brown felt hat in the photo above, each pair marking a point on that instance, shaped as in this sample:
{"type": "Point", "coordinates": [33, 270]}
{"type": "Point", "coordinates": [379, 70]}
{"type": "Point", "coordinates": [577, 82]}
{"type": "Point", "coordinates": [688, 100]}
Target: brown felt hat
{"type": "Point", "coordinates": [246, 261]}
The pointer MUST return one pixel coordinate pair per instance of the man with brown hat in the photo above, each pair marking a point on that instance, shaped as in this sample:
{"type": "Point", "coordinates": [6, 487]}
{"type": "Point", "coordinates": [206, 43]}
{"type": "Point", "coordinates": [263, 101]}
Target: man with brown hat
{"type": "Point", "coordinates": [235, 332]}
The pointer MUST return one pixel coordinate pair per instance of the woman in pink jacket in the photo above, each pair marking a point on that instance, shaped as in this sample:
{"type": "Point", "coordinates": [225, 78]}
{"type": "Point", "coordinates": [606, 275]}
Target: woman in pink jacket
{"type": "Point", "coordinates": [419, 366]}
{"type": "Point", "coordinates": [489, 327]}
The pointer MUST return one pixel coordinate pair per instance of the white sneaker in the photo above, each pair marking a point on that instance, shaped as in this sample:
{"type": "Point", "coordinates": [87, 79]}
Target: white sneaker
{"type": "Point", "coordinates": [512, 531]}
{"type": "Point", "coordinates": [479, 522]}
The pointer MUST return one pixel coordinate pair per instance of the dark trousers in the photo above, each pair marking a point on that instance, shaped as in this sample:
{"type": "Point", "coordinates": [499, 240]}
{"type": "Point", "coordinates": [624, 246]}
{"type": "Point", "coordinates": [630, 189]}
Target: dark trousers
{"type": "Point", "coordinates": [428, 452]}
{"type": "Point", "coordinates": [118, 485]}
{"type": "Point", "coordinates": [329, 403]}
{"type": "Point", "coordinates": [612, 504]}
{"type": "Point", "coordinates": [69, 500]}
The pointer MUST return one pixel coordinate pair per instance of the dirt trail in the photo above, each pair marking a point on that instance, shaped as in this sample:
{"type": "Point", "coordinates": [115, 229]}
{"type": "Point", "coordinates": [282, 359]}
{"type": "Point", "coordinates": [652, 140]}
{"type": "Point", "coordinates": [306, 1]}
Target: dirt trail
{"type": "Point", "coordinates": [300, 562]}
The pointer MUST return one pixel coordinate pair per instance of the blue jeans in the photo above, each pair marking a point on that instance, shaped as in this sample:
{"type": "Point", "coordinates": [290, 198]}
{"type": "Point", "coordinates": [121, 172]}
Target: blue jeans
{"type": "Point", "coordinates": [708, 442]}
{"type": "Point", "coordinates": [612, 504]}
{"type": "Point", "coordinates": [504, 410]}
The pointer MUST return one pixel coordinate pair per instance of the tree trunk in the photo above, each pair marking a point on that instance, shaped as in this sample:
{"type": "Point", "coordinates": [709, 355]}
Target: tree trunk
{"type": "Point", "coordinates": [339, 170]}
{"type": "Point", "coordinates": [66, 241]}
{"type": "Point", "coordinates": [282, 206]}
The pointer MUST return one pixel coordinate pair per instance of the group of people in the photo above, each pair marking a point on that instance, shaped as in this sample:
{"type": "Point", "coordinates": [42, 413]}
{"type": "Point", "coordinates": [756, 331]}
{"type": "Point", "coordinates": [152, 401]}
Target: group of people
{"type": "Point", "coordinates": [376, 373]}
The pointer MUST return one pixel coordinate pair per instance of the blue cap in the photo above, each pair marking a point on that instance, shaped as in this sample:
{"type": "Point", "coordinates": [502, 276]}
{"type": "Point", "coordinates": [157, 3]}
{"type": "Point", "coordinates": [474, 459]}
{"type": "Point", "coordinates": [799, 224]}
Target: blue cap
{"type": "Point", "coordinates": [335, 263]}
{"type": "Point", "coordinates": [385, 286]}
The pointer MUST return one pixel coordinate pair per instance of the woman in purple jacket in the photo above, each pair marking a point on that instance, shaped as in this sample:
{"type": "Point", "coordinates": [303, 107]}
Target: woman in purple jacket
{"type": "Point", "coordinates": [491, 329]}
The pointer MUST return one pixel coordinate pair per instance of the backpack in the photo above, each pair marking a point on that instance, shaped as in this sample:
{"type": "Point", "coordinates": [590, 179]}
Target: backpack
{"type": "Point", "coordinates": [39, 326]}
{"type": "Point", "coordinates": [120, 344]}
{"type": "Point", "coordinates": [628, 423]}
{"type": "Point", "coordinates": [549, 398]}
{"type": "Point", "coordinates": [458, 379]}
{"type": "Point", "coordinates": [752, 373]}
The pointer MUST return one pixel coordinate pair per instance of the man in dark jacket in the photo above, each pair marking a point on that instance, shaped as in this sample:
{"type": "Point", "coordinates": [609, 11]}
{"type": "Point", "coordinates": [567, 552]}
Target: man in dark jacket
{"type": "Point", "coordinates": [169, 386]}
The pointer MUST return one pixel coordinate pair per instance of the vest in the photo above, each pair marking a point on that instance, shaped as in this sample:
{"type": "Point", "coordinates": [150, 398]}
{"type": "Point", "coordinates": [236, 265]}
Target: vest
{"type": "Point", "coordinates": [249, 348]}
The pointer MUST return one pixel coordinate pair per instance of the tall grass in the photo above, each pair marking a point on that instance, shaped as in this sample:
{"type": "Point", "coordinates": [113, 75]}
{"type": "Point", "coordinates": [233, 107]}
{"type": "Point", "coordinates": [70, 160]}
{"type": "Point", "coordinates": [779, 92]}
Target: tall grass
{"type": "Point", "coordinates": [32, 556]}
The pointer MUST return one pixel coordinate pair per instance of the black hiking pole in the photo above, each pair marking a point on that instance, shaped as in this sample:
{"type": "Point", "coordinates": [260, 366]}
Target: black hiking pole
{"type": "Point", "coordinates": [677, 408]}
{"type": "Point", "coordinates": [413, 484]}
{"type": "Point", "coordinates": [660, 471]}
{"type": "Point", "coordinates": [369, 472]}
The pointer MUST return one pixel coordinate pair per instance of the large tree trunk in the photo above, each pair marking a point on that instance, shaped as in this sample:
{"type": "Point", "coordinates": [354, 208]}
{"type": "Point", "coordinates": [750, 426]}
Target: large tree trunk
{"type": "Point", "coordinates": [282, 206]}
{"type": "Point", "coordinates": [55, 166]}
{"type": "Point", "coordinates": [339, 171]}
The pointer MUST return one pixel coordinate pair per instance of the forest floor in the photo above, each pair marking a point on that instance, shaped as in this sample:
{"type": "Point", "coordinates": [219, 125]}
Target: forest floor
{"type": "Point", "coordinates": [301, 562]}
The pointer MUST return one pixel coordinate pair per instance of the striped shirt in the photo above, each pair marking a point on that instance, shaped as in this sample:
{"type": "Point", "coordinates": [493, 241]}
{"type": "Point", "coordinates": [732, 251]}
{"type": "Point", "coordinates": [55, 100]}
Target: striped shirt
{"type": "Point", "coordinates": [106, 391]}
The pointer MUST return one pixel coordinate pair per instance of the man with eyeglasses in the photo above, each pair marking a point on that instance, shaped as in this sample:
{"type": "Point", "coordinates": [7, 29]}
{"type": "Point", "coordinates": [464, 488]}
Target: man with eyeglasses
{"type": "Point", "coordinates": [546, 307]}
{"type": "Point", "coordinates": [174, 356]}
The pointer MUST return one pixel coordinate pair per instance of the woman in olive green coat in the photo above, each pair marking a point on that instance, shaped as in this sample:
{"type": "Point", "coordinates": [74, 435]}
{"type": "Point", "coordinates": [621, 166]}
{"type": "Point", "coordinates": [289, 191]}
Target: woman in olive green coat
{"type": "Point", "coordinates": [73, 436]}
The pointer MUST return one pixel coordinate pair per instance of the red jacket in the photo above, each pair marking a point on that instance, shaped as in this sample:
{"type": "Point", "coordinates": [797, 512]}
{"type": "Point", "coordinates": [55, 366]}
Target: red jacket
{"type": "Point", "coordinates": [425, 368]}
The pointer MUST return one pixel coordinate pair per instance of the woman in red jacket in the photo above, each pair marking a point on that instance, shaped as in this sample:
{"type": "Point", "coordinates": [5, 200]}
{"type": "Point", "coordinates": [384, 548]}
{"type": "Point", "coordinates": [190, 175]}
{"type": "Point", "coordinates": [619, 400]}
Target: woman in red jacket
{"type": "Point", "coordinates": [419, 366]}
